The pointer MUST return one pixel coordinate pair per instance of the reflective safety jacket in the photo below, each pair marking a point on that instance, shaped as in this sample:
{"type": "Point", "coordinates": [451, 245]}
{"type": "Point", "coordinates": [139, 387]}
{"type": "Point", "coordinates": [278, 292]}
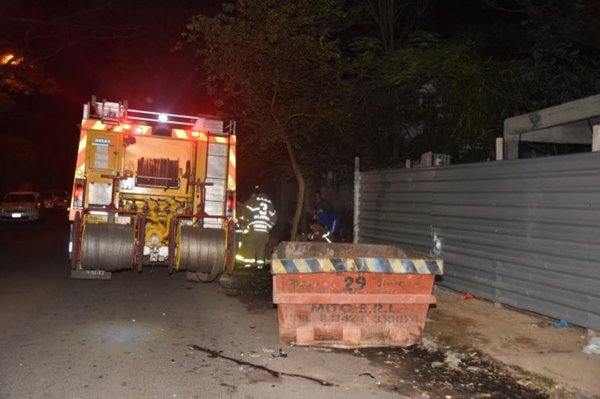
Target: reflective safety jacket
{"type": "Point", "coordinates": [260, 213]}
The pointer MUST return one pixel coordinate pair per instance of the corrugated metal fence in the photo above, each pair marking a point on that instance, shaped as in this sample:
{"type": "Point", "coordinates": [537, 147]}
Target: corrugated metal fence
{"type": "Point", "coordinates": [525, 233]}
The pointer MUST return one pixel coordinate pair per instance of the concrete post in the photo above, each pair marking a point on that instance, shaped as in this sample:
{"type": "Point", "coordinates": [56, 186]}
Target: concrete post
{"type": "Point", "coordinates": [511, 148]}
{"type": "Point", "coordinates": [499, 148]}
{"type": "Point", "coordinates": [356, 213]}
{"type": "Point", "coordinates": [596, 138]}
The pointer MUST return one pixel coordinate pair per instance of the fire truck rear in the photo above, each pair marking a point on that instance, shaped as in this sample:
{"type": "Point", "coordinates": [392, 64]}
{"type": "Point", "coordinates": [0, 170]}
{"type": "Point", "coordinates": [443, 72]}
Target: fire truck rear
{"type": "Point", "coordinates": [152, 189]}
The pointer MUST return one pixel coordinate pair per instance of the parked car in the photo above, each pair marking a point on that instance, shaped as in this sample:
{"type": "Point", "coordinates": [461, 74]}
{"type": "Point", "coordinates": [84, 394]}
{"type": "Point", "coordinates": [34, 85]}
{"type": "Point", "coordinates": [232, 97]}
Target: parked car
{"type": "Point", "coordinates": [20, 205]}
{"type": "Point", "coordinates": [63, 199]}
{"type": "Point", "coordinates": [48, 199]}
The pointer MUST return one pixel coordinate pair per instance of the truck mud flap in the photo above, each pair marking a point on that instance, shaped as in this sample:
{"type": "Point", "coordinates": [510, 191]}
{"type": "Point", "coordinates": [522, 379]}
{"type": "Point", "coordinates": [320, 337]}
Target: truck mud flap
{"type": "Point", "coordinates": [80, 274]}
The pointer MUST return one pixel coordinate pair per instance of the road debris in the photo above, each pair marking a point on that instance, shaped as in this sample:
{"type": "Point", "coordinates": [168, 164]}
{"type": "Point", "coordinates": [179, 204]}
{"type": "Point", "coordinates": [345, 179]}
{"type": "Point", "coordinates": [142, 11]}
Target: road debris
{"type": "Point", "coordinates": [214, 354]}
{"type": "Point", "coordinates": [280, 353]}
{"type": "Point", "coordinates": [562, 324]}
{"type": "Point", "coordinates": [593, 346]}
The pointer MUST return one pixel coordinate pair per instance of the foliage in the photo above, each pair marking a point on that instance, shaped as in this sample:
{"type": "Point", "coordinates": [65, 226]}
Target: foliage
{"type": "Point", "coordinates": [20, 76]}
{"type": "Point", "coordinates": [460, 98]}
{"type": "Point", "coordinates": [277, 68]}
{"type": "Point", "coordinates": [393, 21]}
{"type": "Point", "coordinates": [451, 93]}
{"type": "Point", "coordinates": [559, 61]}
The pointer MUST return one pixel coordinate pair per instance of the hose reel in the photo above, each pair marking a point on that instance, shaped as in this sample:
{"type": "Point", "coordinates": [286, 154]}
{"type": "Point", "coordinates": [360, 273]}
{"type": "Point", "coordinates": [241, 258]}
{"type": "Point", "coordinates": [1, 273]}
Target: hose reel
{"type": "Point", "coordinates": [201, 252]}
{"type": "Point", "coordinates": [107, 247]}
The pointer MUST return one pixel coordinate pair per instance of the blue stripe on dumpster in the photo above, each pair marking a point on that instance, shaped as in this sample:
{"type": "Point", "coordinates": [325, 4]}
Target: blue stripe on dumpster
{"type": "Point", "coordinates": [289, 266]}
{"type": "Point", "coordinates": [432, 267]}
{"type": "Point", "coordinates": [409, 266]}
{"type": "Point", "coordinates": [339, 265]}
{"type": "Point", "coordinates": [377, 265]}
{"type": "Point", "coordinates": [361, 265]}
{"type": "Point", "coordinates": [314, 265]}
{"type": "Point", "coordinates": [386, 266]}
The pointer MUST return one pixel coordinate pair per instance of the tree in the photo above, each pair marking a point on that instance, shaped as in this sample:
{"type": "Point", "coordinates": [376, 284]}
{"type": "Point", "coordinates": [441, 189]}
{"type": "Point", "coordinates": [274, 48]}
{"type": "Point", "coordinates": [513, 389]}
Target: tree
{"type": "Point", "coordinates": [462, 99]}
{"type": "Point", "coordinates": [384, 113]}
{"type": "Point", "coordinates": [492, 60]}
{"type": "Point", "coordinates": [275, 65]}
{"type": "Point", "coordinates": [36, 32]}
{"type": "Point", "coordinates": [395, 20]}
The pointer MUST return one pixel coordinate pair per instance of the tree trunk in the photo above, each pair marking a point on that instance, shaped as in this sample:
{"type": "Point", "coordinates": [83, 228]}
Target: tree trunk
{"type": "Point", "coordinates": [300, 195]}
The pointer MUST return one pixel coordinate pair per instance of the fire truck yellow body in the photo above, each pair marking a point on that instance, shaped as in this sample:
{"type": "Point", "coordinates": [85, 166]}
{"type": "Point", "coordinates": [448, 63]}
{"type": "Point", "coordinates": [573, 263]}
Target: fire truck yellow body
{"type": "Point", "coordinates": [152, 189]}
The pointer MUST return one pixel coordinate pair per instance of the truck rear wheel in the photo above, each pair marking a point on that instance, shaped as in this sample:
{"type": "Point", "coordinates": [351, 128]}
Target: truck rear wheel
{"type": "Point", "coordinates": [107, 247]}
{"type": "Point", "coordinates": [202, 252]}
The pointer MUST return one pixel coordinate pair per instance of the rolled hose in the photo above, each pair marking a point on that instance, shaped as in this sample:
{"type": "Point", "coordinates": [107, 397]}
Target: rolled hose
{"type": "Point", "coordinates": [107, 247]}
{"type": "Point", "coordinates": [202, 252]}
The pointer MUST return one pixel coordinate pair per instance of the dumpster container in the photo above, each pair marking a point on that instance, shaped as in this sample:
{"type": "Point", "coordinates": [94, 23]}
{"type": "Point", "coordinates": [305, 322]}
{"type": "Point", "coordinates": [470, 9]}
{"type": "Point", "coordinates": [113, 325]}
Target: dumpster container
{"type": "Point", "coordinates": [352, 295]}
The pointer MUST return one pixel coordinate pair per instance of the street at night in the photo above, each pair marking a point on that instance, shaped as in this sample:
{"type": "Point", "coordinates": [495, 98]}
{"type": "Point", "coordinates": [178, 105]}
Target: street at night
{"type": "Point", "coordinates": [133, 336]}
{"type": "Point", "coordinates": [156, 335]}
{"type": "Point", "coordinates": [300, 199]}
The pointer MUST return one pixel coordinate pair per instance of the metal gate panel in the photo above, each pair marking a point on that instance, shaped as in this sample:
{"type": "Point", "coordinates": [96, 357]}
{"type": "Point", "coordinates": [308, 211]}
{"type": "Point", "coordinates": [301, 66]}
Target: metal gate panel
{"type": "Point", "coordinates": [525, 233]}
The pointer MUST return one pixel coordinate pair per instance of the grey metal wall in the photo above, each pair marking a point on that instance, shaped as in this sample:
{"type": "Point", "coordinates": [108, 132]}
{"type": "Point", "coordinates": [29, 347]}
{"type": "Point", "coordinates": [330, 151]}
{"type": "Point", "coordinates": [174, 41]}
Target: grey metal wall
{"type": "Point", "coordinates": [525, 233]}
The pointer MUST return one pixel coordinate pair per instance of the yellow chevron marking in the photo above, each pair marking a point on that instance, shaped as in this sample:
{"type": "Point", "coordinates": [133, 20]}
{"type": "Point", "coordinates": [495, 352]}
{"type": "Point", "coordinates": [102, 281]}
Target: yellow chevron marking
{"type": "Point", "coordinates": [301, 266]}
{"type": "Point", "coordinates": [275, 265]}
{"type": "Point", "coordinates": [99, 126]}
{"type": "Point", "coordinates": [396, 265]}
{"type": "Point", "coordinates": [350, 265]}
{"type": "Point", "coordinates": [180, 133]}
{"type": "Point", "coordinates": [327, 265]}
{"type": "Point", "coordinates": [142, 129]}
{"type": "Point", "coordinates": [82, 143]}
{"type": "Point", "coordinates": [221, 140]}
{"type": "Point", "coordinates": [421, 266]}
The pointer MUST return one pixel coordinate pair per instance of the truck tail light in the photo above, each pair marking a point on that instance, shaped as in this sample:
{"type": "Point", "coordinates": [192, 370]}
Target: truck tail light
{"type": "Point", "coordinates": [230, 204]}
{"type": "Point", "coordinates": [78, 193]}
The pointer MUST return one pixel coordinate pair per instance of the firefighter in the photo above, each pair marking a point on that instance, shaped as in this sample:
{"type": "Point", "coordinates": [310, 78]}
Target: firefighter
{"type": "Point", "coordinates": [260, 216]}
{"type": "Point", "coordinates": [324, 224]}
{"type": "Point", "coordinates": [321, 203]}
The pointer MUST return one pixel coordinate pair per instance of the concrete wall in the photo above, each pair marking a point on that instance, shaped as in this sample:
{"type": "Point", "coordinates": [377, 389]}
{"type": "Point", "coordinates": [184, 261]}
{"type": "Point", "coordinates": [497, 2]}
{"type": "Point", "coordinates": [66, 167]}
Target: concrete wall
{"type": "Point", "coordinates": [568, 123]}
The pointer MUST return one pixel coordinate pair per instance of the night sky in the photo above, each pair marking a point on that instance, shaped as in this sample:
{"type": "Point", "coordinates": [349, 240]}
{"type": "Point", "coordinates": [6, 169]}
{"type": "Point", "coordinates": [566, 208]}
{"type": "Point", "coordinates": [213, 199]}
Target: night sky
{"type": "Point", "coordinates": [120, 51]}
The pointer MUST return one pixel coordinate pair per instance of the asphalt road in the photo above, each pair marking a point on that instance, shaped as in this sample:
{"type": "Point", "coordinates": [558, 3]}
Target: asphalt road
{"type": "Point", "coordinates": [155, 335]}
{"type": "Point", "coordinates": [149, 335]}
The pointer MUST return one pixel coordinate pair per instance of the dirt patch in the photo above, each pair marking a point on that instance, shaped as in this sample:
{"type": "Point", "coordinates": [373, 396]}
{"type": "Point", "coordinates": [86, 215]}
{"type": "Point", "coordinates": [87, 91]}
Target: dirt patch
{"type": "Point", "coordinates": [432, 373]}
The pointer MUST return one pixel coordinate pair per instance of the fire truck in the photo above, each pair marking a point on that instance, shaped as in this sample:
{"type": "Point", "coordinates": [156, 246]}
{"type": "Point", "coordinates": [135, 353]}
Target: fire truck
{"type": "Point", "coordinates": [152, 189]}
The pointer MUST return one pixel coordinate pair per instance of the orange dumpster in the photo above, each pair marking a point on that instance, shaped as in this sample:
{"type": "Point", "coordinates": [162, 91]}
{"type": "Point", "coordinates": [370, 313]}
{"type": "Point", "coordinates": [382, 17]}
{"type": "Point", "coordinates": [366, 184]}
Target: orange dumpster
{"type": "Point", "coordinates": [352, 295]}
